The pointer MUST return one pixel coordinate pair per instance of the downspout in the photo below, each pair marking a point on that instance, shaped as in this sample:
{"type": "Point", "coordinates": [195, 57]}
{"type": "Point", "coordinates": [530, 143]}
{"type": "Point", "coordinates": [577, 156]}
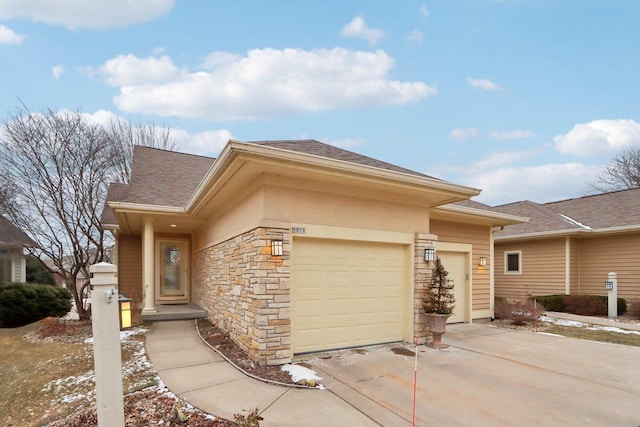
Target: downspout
{"type": "Point", "coordinates": [567, 265]}
{"type": "Point", "coordinates": [492, 290]}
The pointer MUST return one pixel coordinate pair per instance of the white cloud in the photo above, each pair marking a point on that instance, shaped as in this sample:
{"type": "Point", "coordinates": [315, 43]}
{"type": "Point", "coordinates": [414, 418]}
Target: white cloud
{"type": "Point", "coordinates": [416, 36]}
{"type": "Point", "coordinates": [131, 70]}
{"type": "Point", "coordinates": [599, 137]}
{"type": "Point", "coordinates": [265, 83]}
{"type": "Point", "coordinates": [57, 71]}
{"type": "Point", "coordinates": [482, 84]}
{"type": "Point", "coordinates": [424, 12]}
{"type": "Point", "coordinates": [208, 143]}
{"type": "Point", "coordinates": [541, 184]}
{"type": "Point", "coordinates": [8, 36]}
{"type": "Point", "coordinates": [463, 134]}
{"type": "Point", "coordinates": [358, 28]}
{"type": "Point", "coordinates": [94, 14]}
{"type": "Point", "coordinates": [501, 158]}
{"type": "Point", "coordinates": [511, 134]}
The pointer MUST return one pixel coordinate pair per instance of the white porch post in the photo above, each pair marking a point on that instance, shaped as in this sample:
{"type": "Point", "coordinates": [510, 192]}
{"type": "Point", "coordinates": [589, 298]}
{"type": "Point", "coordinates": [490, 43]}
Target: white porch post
{"type": "Point", "coordinates": [147, 267]}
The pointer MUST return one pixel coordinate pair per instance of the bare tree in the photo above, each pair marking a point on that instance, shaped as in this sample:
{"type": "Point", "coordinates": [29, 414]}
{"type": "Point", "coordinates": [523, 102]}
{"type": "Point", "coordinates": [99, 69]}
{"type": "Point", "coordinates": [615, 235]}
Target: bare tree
{"type": "Point", "coordinates": [124, 136]}
{"type": "Point", "coordinates": [55, 168]}
{"type": "Point", "coordinates": [622, 173]}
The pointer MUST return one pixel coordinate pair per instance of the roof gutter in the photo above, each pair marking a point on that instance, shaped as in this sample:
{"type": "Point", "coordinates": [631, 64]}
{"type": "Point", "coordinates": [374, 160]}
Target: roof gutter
{"type": "Point", "coordinates": [235, 148]}
{"type": "Point", "coordinates": [465, 210]}
{"type": "Point", "coordinates": [569, 231]}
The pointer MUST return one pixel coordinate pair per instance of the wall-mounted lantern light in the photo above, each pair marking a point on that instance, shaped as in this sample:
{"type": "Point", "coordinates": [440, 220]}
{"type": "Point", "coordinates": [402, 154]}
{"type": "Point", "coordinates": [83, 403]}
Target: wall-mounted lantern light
{"type": "Point", "coordinates": [429, 254]}
{"type": "Point", "coordinates": [483, 261]}
{"type": "Point", "coordinates": [125, 312]}
{"type": "Point", "coordinates": [276, 248]}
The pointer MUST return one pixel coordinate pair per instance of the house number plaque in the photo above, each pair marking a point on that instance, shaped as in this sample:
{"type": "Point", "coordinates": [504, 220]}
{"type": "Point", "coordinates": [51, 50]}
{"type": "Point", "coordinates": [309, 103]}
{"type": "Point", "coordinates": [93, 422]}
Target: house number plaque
{"type": "Point", "coordinates": [298, 230]}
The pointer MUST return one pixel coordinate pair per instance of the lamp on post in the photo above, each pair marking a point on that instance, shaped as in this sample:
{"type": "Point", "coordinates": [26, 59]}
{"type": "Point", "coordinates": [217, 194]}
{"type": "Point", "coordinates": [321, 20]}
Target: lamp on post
{"type": "Point", "coordinates": [124, 304]}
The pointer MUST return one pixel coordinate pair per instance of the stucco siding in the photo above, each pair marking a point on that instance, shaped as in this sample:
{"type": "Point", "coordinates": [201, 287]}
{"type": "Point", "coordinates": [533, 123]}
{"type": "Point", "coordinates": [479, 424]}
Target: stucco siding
{"type": "Point", "coordinates": [616, 253]}
{"type": "Point", "coordinates": [479, 237]}
{"type": "Point", "coordinates": [543, 269]}
{"type": "Point", "coordinates": [343, 210]}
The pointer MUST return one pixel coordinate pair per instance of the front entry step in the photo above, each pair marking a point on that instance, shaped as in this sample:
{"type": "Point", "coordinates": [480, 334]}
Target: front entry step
{"type": "Point", "coordinates": [175, 312]}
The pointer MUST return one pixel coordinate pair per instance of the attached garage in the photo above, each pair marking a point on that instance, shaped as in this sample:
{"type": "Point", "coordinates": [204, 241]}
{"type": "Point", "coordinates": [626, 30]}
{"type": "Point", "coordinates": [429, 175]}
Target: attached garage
{"type": "Point", "coordinates": [348, 293]}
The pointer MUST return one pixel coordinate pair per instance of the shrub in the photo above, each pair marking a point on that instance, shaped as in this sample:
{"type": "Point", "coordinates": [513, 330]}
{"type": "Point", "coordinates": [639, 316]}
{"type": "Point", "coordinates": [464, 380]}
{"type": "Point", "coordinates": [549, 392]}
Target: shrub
{"type": "Point", "coordinates": [38, 273]}
{"type": "Point", "coordinates": [634, 309]}
{"type": "Point", "coordinates": [439, 298]}
{"type": "Point", "coordinates": [622, 304]}
{"type": "Point", "coordinates": [519, 312]}
{"type": "Point", "coordinates": [24, 303]}
{"type": "Point", "coordinates": [552, 302]}
{"type": "Point", "coordinates": [585, 305]}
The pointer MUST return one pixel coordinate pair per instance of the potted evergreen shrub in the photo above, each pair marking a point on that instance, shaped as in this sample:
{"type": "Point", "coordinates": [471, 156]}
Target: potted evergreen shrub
{"type": "Point", "coordinates": [439, 303]}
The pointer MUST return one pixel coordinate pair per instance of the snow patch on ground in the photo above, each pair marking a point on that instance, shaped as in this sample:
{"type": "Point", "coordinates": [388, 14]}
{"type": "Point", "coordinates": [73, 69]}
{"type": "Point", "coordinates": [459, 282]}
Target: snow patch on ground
{"type": "Point", "coordinates": [124, 335]}
{"type": "Point", "coordinates": [563, 322]}
{"type": "Point", "coordinates": [299, 373]}
{"type": "Point", "coordinates": [612, 329]}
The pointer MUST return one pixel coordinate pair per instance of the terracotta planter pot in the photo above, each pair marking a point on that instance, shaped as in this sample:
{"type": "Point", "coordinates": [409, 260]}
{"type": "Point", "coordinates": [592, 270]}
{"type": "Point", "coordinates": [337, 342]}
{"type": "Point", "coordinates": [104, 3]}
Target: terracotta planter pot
{"type": "Point", "coordinates": [437, 327]}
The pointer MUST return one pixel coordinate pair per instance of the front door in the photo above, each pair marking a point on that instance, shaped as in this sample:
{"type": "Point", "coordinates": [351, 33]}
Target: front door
{"type": "Point", "coordinates": [172, 261]}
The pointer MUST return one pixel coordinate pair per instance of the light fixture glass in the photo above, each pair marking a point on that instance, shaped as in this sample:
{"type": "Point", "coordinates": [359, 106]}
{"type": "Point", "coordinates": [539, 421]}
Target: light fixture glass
{"type": "Point", "coordinates": [125, 312]}
{"type": "Point", "coordinates": [429, 254]}
{"type": "Point", "coordinates": [483, 261]}
{"type": "Point", "coordinates": [276, 248]}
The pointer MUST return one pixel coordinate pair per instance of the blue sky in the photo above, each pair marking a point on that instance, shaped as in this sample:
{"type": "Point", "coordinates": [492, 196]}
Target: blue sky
{"type": "Point", "coordinates": [523, 99]}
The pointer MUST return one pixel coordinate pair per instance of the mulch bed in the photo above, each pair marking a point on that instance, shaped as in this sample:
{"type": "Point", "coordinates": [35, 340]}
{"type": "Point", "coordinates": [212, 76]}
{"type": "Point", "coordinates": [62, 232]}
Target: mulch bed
{"type": "Point", "coordinates": [149, 407]}
{"type": "Point", "coordinates": [221, 341]}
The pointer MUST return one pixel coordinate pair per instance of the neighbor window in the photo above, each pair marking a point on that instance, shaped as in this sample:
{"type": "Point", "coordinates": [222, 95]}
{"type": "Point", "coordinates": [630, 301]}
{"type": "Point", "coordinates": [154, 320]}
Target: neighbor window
{"type": "Point", "coordinates": [513, 262]}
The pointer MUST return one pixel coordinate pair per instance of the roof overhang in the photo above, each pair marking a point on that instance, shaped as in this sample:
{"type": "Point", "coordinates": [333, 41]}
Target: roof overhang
{"type": "Point", "coordinates": [572, 232]}
{"type": "Point", "coordinates": [303, 165]}
{"type": "Point", "coordinates": [470, 215]}
{"type": "Point", "coordinates": [241, 164]}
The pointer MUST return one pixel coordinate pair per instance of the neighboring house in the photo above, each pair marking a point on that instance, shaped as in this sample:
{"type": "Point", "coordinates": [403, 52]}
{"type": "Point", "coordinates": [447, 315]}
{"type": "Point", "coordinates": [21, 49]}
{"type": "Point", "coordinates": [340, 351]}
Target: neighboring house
{"type": "Point", "coordinates": [570, 246]}
{"type": "Point", "coordinates": [13, 265]}
{"type": "Point", "coordinates": [297, 246]}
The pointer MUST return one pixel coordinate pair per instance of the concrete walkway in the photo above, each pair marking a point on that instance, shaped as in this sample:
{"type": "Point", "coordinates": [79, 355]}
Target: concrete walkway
{"type": "Point", "coordinates": [488, 377]}
{"type": "Point", "coordinates": [196, 373]}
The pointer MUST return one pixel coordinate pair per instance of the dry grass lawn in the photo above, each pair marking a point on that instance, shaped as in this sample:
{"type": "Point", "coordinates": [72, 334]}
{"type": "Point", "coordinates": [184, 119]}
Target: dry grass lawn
{"type": "Point", "coordinates": [44, 380]}
{"type": "Point", "coordinates": [594, 335]}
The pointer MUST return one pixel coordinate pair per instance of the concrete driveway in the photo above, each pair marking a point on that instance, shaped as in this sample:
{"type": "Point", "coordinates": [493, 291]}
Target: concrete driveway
{"type": "Point", "coordinates": [491, 377]}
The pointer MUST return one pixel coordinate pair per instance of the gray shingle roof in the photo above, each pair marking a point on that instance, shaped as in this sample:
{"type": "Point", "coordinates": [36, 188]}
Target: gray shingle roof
{"type": "Point", "coordinates": [615, 209]}
{"type": "Point", "coordinates": [169, 178]}
{"type": "Point", "coordinates": [317, 148]}
{"type": "Point", "coordinates": [165, 178]}
{"type": "Point", "coordinates": [117, 192]}
{"type": "Point", "coordinates": [12, 235]}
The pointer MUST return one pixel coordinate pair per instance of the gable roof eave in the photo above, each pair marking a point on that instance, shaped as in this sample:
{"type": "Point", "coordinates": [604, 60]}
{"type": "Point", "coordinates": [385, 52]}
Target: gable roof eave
{"type": "Point", "coordinates": [492, 218]}
{"type": "Point", "coordinates": [222, 169]}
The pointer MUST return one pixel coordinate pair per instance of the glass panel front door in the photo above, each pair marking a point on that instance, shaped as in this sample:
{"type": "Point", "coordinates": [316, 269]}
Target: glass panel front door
{"type": "Point", "coordinates": [173, 266]}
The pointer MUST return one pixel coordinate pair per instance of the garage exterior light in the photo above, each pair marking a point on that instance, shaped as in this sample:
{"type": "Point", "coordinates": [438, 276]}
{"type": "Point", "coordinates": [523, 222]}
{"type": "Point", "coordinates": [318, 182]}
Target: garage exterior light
{"type": "Point", "coordinates": [429, 254]}
{"type": "Point", "coordinates": [483, 261]}
{"type": "Point", "coordinates": [276, 248]}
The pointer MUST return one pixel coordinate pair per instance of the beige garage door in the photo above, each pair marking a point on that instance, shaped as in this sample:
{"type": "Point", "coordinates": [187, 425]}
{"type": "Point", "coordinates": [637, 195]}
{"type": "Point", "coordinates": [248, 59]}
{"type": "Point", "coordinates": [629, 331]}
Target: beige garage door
{"type": "Point", "coordinates": [456, 264]}
{"type": "Point", "coordinates": [346, 293]}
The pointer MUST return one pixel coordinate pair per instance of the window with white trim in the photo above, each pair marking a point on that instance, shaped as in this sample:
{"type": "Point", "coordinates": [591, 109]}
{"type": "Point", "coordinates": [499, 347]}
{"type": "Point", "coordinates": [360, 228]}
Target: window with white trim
{"type": "Point", "coordinates": [513, 262]}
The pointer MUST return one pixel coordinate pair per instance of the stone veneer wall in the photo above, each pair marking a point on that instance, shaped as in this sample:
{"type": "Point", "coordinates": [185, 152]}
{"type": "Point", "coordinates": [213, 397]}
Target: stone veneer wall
{"type": "Point", "coordinates": [422, 277]}
{"type": "Point", "coordinates": [245, 291]}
